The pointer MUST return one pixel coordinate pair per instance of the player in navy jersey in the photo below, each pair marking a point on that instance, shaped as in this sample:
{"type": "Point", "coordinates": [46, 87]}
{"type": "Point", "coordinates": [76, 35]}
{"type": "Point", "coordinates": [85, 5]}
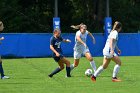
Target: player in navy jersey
{"type": "Point", "coordinates": [1, 67]}
{"type": "Point", "coordinates": [55, 46]}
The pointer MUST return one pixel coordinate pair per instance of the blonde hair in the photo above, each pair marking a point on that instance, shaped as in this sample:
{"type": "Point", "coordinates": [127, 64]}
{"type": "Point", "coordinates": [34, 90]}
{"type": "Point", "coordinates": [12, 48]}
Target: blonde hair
{"type": "Point", "coordinates": [78, 26]}
{"type": "Point", "coordinates": [1, 26]}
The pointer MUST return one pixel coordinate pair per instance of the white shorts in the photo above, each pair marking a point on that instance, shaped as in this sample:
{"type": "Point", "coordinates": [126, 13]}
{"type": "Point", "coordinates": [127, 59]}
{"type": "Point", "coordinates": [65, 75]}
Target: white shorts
{"type": "Point", "coordinates": [108, 55]}
{"type": "Point", "coordinates": [78, 54]}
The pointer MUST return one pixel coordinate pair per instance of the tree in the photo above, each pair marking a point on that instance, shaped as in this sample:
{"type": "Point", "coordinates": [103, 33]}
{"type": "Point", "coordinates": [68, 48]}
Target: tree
{"type": "Point", "coordinates": [35, 16]}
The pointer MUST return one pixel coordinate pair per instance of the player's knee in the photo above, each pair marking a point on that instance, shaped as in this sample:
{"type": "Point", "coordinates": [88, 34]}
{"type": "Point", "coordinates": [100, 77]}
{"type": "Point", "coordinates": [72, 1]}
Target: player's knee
{"type": "Point", "coordinates": [120, 63]}
{"type": "Point", "coordinates": [68, 63]}
{"type": "Point", "coordinates": [105, 66]}
{"type": "Point", "coordinates": [62, 67]}
{"type": "Point", "coordinates": [90, 59]}
{"type": "Point", "coordinates": [76, 65]}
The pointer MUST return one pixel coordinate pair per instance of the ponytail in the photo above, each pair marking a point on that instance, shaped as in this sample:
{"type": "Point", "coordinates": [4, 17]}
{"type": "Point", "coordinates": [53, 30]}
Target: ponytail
{"type": "Point", "coordinates": [1, 26]}
{"type": "Point", "coordinates": [77, 26]}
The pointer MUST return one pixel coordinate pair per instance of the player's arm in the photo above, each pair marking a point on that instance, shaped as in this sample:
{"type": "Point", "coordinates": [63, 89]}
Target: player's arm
{"type": "Point", "coordinates": [92, 37]}
{"type": "Point", "coordinates": [119, 51]}
{"type": "Point", "coordinates": [111, 46]}
{"type": "Point", "coordinates": [66, 40]}
{"type": "Point", "coordinates": [2, 38]}
{"type": "Point", "coordinates": [80, 40]}
{"type": "Point", "coordinates": [52, 48]}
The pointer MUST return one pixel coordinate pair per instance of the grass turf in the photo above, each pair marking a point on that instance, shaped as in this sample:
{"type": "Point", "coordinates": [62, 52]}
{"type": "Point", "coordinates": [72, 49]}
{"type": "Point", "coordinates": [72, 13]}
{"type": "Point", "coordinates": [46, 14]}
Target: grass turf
{"type": "Point", "coordinates": [31, 76]}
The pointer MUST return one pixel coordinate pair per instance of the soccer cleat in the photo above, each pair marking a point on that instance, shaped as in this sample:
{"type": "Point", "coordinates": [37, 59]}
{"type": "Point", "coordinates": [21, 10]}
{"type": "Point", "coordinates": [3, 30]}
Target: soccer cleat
{"type": "Point", "coordinates": [93, 78]}
{"type": "Point", "coordinates": [68, 76]}
{"type": "Point", "coordinates": [115, 79]}
{"type": "Point", "coordinates": [50, 76]}
{"type": "Point", "coordinates": [5, 77]}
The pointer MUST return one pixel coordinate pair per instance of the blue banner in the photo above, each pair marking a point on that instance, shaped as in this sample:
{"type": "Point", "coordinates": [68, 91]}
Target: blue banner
{"type": "Point", "coordinates": [38, 45]}
{"type": "Point", "coordinates": [108, 26]}
{"type": "Point", "coordinates": [56, 23]}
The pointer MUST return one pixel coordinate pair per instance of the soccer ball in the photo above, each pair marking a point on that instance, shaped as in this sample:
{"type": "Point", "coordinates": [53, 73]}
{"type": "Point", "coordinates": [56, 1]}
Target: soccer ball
{"type": "Point", "coordinates": [88, 72]}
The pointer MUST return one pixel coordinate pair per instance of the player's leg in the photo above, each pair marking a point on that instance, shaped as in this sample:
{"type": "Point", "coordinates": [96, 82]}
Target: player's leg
{"type": "Point", "coordinates": [77, 56]}
{"type": "Point", "coordinates": [105, 64]}
{"type": "Point", "coordinates": [58, 69]}
{"type": "Point", "coordinates": [92, 62]}
{"type": "Point", "coordinates": [65, 61]}
{"type": "Point", "coordinates": [2, 71]}
{"type": "Point", "coordinates": [117, 60]}
{"type": "Point", "coordinates": [75, 64]}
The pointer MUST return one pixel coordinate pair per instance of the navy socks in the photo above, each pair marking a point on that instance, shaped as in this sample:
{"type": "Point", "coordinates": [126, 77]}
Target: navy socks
{"type": "Point", "coordinates": [55, 72]}
{"type": "Point", "coordinates": [68, 71]}
{"type": "Point", "coordinates": [1, 70]}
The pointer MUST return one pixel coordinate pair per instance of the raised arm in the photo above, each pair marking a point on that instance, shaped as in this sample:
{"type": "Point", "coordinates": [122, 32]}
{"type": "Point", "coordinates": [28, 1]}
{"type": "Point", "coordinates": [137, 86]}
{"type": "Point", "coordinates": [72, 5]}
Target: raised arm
{"type": "Point", "coordinates": [2, 38]}
{"type": "Point", "coordinates": [66, 40]}
{"type": "Point", "coordinates": [92, 37]}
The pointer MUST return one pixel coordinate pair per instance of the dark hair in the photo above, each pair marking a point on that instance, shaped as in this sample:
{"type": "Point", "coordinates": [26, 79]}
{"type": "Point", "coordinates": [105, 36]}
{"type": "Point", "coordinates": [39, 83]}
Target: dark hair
{"type": "Point", "coordinates": [56, 29]}
{"type": "Point", "coordinates": [117, 25]}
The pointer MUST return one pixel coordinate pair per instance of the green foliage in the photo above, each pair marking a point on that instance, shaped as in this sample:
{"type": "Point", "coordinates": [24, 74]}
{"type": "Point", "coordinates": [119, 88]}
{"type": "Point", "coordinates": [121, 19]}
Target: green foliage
{"type": "Point", "coordinates": [35, 16]}
{"type": "Point", "coordinates": [127, 12]}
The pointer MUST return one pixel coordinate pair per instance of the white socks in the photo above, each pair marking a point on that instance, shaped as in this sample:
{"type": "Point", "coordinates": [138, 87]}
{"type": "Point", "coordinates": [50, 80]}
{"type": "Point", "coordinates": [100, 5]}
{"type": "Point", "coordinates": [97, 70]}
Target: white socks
{"type": "Point", "coordinates": [98, 71]}
{"type": "Point", "coordinates": [71, 66]}
{"type": "Point", "coordinates": [92, 63]}
{"type": "Point", "coordinates": [116, 70]}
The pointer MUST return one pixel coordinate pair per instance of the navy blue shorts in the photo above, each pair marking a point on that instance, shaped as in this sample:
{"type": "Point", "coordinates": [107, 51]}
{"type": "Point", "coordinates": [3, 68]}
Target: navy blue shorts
{"type": "Point", "coordinates": [58, 58]}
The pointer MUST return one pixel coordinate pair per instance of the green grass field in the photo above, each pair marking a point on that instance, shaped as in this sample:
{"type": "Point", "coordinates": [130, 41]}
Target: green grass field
{"type": "Point", "coordinates": [30, 76]}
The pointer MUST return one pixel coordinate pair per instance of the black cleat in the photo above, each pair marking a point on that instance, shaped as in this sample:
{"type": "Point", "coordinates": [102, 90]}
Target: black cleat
{"type": "Point", "coordinates": [50, 76]}
{"type": "Point", "coordinates": [68, 76]}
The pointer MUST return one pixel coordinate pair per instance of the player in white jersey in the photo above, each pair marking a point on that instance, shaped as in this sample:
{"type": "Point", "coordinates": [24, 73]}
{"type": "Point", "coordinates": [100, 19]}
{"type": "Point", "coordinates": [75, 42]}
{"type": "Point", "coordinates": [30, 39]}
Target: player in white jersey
{"type": "Point", "coordinates": [81, 48]}
{"type": "Point", "coordinates": [109, 53]}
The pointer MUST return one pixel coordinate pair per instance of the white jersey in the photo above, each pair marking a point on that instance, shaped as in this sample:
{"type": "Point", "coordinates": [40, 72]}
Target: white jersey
{"type": "Point", "coordinates": [114, 35]}
{"type": "Point", "coordinates": [78, 45]}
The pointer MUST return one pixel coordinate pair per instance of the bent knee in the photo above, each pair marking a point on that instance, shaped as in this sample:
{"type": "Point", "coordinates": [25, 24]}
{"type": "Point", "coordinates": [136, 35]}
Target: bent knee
{"type": "Point", "coordinates": [76, 65]}
{"type": "Point", "coordinates": [90, 59]}
{"type": "Point", "coordinates": [68, 63]}
{"type": "Point", "coordinates": [62, 67]}
{"type": "Point", "coordinates": [120, 63]}
{"type": "Point", "coordinates": [105, 67]}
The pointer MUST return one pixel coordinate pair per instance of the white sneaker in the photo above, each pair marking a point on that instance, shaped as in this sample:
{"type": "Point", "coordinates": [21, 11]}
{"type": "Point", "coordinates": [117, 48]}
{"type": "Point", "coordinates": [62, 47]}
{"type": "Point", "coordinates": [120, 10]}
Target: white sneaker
{"type": "Point", "coordinates": [5, 77]}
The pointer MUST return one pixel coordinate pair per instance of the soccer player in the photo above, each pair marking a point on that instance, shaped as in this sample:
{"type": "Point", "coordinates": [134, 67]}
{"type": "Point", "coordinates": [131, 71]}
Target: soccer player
{"type": "Point", "coordinates": [1, 67]}
{"type": "Point", "coordinates": [80, 47]}
{"type": "Point", "coordinates": [109, 53]}
{"type": "Point", "coordinates": [55, 46]}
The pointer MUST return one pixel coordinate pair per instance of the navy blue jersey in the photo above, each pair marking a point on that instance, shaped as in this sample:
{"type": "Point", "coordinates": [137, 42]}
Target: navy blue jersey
{"type": "Point", "coordinates": [56, 43]}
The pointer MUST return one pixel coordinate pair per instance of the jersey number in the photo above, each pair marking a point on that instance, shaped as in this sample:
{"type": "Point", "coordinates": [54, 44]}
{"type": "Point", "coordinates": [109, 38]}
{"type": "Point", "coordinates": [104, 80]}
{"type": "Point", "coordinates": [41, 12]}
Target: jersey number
{"type": "Point", "coordinates": [58, 44]}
